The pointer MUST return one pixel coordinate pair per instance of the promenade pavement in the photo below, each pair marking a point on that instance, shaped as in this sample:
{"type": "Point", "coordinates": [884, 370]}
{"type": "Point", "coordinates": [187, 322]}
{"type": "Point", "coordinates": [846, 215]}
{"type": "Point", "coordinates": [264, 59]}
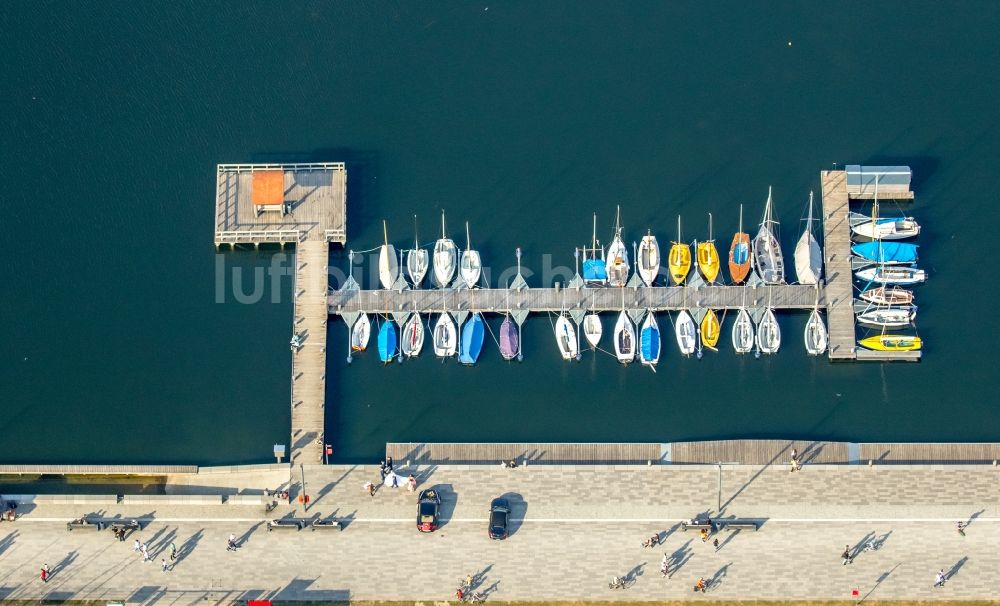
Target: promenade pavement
{"type": "Point", "coordinates": [574, 528]}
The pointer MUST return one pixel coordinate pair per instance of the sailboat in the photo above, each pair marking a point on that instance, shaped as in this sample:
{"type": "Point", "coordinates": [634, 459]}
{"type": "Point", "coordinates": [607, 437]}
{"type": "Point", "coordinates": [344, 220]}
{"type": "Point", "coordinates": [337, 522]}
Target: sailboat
{"type": "Point", "coordinates": [510, 343]}
{"type": "Point", "coordinates": [885, 317]}
{"type": "Point", "coordinates": [624, 338]}
{"type": "Point", "coordinates": [471, 265]}
{"type": "Point", "coordinates": [710, 329]}
{"type": "Point", "coordinates": [445, 336]}
{"type": "Point", "coordinates": [445, 258]}
{"type": "Point", "coordinates": [617, 265]}
{"type": "Point", "coordinates": [892, 274]}
{"type": "Point", "coordinates": [387, 341]}
{"type": "Point", "coordinates": [808, 258]}
{"type": "Point", "coordinates": [685, 332]}
{"type": "Point", "coordinates": [595, 272]}
{"type": "Point", "coordinates": [649, 340]}
{"type": "Point", "coordinates": [888, 295]}
{"type": "Point", "coordinates": [767, 255]}
{"type": "Point", "coordinates": [768, 331]}
{"type": "Point", "coordinates": [708, 256]}
{"type": "Point", "coordinates": [565, 334]}
{"type": "Point", "coordinates": [892, 343]}
{"type": "Point", "coordinates": [739, 254]}
{"type": "Point", "coordinates": [815, 335]}
{"type": "Point", "coordinates": [472, 339]}
{"type": "Point", "coordinates": [388, 267]}
{"type": "Point", "coordinates": [743, 337]}
{"type": "Point", "coordinates": [894, 228]}
{"type": "Point", "coordinates": [649, 258]}
{"type": "Point", "coordinates": [679, 261]}
{"type": "Point", "coordinates": [886, 253]}
{"type": "Point", "coordinates": [416, 259]}
{"type": "Point", "coordinates": [360, 333]}
{"type": "Point", "coordinates": [413, 336]}
{"type": "Point", "coordinates": [592, 329]}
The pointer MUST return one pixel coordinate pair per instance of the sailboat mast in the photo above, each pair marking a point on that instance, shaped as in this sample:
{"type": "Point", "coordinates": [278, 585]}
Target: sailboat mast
{"type": "Point", "coordinates": [593, 240]}
{"type": "Point", "coordinates": [442, 225]}
{"type": "Point", "coordinates": [385, 233]}
{"type": "Point", "coordinates": [710, 228]}
{"type": "Point", "coordinates": [741, 218]}
{"type": "Point", "coordinates": [416, 240]}
{"type": "Point", "coordinates": [468, 240]}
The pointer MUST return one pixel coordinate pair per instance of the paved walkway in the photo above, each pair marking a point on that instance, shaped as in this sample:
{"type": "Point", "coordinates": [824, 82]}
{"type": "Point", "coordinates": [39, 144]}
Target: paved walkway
{"type": "Point", "coordinates": [574, 528]}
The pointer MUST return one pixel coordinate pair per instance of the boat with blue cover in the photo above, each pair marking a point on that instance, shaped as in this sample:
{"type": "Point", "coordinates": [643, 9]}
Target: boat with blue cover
{"type": "Point", "coordinates": [387, 342]}
{"type": "Point", "coordinates": [649, 341]}
{"type": "Point", "coordinates": [472, 339]}
{"type": "Point", "coordinates": [877, 251]}
{"type": "Point", "coordinates": [595, 271]}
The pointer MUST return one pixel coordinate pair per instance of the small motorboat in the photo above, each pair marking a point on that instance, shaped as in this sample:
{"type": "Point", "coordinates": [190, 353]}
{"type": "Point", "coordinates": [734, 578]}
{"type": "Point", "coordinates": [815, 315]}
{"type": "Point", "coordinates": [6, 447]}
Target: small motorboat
{"type": "Point", "coordinates": [445, 336]}
{"type": "Point", "coordinates": [360, 333]}
{"type": "Point", "coordinates": [649, 259]}
{"type": "Point", "coordinates": [416, 259]}
{"type": "Point", "coordinates": [445, 258]}
{"type": "Point", "coordinates": [685, 332]}
{"type": "Point", "coordinates": [472, 339]}
{"type": "Point", "coordinates": [710, 330]}
{"type": "Point", "coordinates": [592, 329]}
{"type": "Point", "coordinates": [815, 335]}
{"type": "Point", "coordinates": [624, 339]}
{"type": "Point", "coordinates": [388, 266]}
{"type": "Point", "coordinates": [892, 343]}
{"type": "Point", "coordinates": [387, 349]}
{"type": "Point", "coordinates": [413, 336]}
{"type": "Point", "coordinates": [649, 341]}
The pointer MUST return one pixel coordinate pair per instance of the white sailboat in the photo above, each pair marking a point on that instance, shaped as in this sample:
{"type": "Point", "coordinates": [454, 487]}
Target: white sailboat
{"type": "Point", "coordinates": [416, 259]}
{"type": "Point", "coordinates": [768, 331]}
{"type": "Point", "coordinates": [648, 261]}
{"type": "Point", "coordinates": [565, 335]}
{"type": "Point", "coordinates": [767, 257]}
{"type": "Point", "coordinates": [445, 335]}
{"type": "Point", "coordinates": [808, 257]}
{"type": "Point", "coordinates": [445, 258]}
{"type": "Point", "coordinates": [617, 262]}
{"type": "Point", "coordinates": [815, 335]}
{"type": "Point", "coordinates": [901, 275]}
{"type": "Point", "coordinates": [624, 338]}
{"type": "Point", "coordinates": [878, 228]}
{"type": "Point", "coordinates": [888, 295]}
{"type": "Point", "coordinates": [413, 336]}
{"type": "Point", "coordinates": [885, 317]}
{"type": "Point", "coordinates": [360, 333]}
{"type": "Point", "coordinates": [592, 329]}
{"type": "Point", "coordinates": [388, 266]}
{"type": "Point", "coordinates": [471, 265]}
{"type": "Point", "coordinates": [743, 333]}
{"type": "Point", "coordinates": [686, 333]}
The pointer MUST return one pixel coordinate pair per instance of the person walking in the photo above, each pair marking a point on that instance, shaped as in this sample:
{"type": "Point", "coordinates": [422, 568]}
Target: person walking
{"type": "Point", "coordinates": [231, 542]}
{"type": "Point", "coordinates": [45, 573]}
{"type": "Point", "coordinates": [715, 544]}
{"type": "Point", "coordinates": [846, 556]}
{"type": "Point", "coordinates": [700, 585]}
{"type": "Point", "coordinates": [382, 470]}
{"type": "Point", "coordinates": [388, 463]}
{"type": "Point", "coordinates": [939, 581]}
{"type": "Point", "coordinates": [961, 528]}
{"type": "Point", "coordinates": [164, 565]}
{"type": "Point", "coordinates": [370, 488]}
{"type": "Point", "coordinates": [665, 565]}
{"type": "Point", "coordinates": [136, 546]}
{"type": "Point", "coordinates": [145, 553]}
{"type": "Point", "coordinates": [173, 552]}
{"type": "Point", "coordinates": [704, 535]}
{"type": "Point", "coordinates": [411, 483]}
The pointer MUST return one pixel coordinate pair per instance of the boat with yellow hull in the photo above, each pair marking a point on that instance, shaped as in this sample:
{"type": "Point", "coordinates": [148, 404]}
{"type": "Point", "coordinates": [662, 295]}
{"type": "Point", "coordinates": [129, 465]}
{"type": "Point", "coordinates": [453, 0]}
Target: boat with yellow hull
{"type": "Point", "coordinates": [708, 256]}
{"type": "Point", "coordinates": [679, 261]}
{"type": "Point", "coordinates": [710, 330]}
{"type": "Point", "coordinates": [892, 343]}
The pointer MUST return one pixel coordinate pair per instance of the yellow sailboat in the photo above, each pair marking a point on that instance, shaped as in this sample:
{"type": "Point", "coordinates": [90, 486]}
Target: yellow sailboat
{"type": "Point", "coordinates": [892, 343]}
{"type": "Point", "coordinates": [679, 260]}
{"type": "Point", "coordinates": [710, 330]}
{"type": "Point", "coordinates": [708, 256]}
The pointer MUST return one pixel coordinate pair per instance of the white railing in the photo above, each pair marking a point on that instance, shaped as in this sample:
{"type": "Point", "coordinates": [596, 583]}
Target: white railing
{"type": "Point", "coordinates": [251, 236]}
{"type": "Point", "coordinates": [300, 166]}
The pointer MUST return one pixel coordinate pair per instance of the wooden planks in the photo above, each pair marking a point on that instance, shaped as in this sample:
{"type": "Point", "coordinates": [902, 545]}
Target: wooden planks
{"type": "Point", "coordinates": [316, 195]}
{"type": "Point", "coordinates": [309, 362]}
{"type": "Point", "coordinates": [758, 452]}
{"type": "Point", "coordinates": [837, 258]}
{"type": "Point", "coordinates": [553, 299]}
{"type": "Point", "coordinates": [930, 453]}
{"type": "Point", "coordinates": [132, 470]}
{"type": "Point", "coordinates": [532, 453]}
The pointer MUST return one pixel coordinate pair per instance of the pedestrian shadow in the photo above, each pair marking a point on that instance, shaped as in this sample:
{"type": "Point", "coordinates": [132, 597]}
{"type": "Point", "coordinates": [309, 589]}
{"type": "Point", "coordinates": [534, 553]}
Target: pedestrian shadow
{"type": "Point", "coordinates": [423, 475]}
{"type": "Point", "coordinates": [480, 577]}
{"type": "Point", "coordinates": [345, 521]}
{"type": "Point", "coordinates": [63, 563]}
{"type": "Point", "coordinates": [856, 550]}
{"type": "Point", "coordinates": [879, 542]}
{"type": "Point", "coordinates": [680, 557]}
{"type": "Point", "coordinates": [957, 566]}
{"type": "Point", "coordinates": [666, 533]}
{"type": "Point", "coordinates": [716, 579]}
{"type": "Point", "coordinates": [7, 541]}
{"type": "Point", "coordinates": [328, 487]}
{"type": "Point", "coordinates": [882, 577]}
{"type": "Point", "coordinates": [973, 517]}
{"type": "Point", "coordinates": [491, 589]}
{"type": "Point", "coordinates": [243, 538]}
{"type": "Point", "coordinates": [633, 575]}
{"type": "Point", "coordinates": [151, 541]}
{"type": "Point", "coordinates": [730, 536]}
{"type": "Point", "coordinates": [188, 546]}
{"type": "Point", "coordinates": [163, 543]}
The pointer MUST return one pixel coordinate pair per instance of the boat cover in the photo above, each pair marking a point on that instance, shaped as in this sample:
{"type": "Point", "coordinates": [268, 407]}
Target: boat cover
{"type": "Point", "coordinates": [650, 343]}
{"type": "Point", "coordinates": [594, 269]}
{"type": "Point", "coordinates": [899, 252]}
{"type": "Point", "coordinates": [472, 340]}
{"type": "Point", "coordinates": [387, 342]}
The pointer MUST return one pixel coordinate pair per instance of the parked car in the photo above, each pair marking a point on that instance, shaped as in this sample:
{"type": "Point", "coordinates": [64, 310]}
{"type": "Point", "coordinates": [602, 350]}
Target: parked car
{"type": "Point", "coordinates": [499, 519]}
{"type": "Point", "coordinates": [428, 510]}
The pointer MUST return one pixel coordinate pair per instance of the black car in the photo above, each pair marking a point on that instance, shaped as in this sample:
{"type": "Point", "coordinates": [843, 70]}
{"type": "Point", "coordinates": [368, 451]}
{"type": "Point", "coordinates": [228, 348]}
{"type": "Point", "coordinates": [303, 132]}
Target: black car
{"type": "Point", "coordinates": [428, 509]}
{"type": "Point", "coordinates": [499, 519]}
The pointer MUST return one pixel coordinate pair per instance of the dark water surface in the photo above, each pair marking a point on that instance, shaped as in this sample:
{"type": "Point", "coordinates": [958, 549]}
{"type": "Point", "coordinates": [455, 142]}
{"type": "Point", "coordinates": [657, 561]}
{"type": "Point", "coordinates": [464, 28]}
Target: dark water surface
{"type": "Point", "coordinates": [521, 118]}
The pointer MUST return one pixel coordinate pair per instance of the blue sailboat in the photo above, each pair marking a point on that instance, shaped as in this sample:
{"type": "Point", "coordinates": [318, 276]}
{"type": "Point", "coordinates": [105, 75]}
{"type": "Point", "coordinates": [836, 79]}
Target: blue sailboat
{"type": "Point", "coordinates": [886, 252]}
{"type": "Point", "coordinates": [649, 341]}
{"type": "Point", "coordinates": [595, 271]}
{"type": "Point", "coordinates": [387, 342]}
{"type": "Point", "coordinates": [472, 340]}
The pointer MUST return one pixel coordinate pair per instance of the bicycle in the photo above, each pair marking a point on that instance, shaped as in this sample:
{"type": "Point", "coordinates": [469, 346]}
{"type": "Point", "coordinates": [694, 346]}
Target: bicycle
{"type": "Point", "coordinates": [617, 583]}
{"type": "Point", "coordinates": [476, 598]}
{"type": "Point", "coordinates": [871, 546]}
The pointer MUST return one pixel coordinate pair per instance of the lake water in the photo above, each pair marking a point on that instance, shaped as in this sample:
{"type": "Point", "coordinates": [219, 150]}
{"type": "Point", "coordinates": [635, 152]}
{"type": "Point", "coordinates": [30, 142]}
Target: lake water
{"type": "Point", "coordinates": [522, 118]}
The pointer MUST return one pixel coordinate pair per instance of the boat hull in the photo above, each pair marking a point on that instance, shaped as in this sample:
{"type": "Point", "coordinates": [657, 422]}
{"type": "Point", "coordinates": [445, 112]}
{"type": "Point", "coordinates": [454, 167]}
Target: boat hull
{"type": "Point", "coordinates": [684, 331]}
{"type": "Point", "coordinates": [360, 333]}
{"type": "Point", "coordinates": [815, 336]}
{"type": "Point", "coordinates": [708, 261]}
{"type": "Point", "coordinates": [649, 341]}
{"type": "Point", "coordinates": [808, 259]}
{"type": "Point", "coordinates": [444, 336]}
{"type": "Point", "coordinates": [413, 336]}
{"type": "Point", "coordinates": [593, 329]}
{"type": "Point", "coordinates": [884, 295]}
{"type": "Point", "coordinates": [472, 340]}
{"type": "Point", "coordinates": [767, 257]}
{"type": "Point", "coordinates": [388, 266]}
{"type": "Point", "coordinates": [471, 267]}
{"type": "Point", "coordinates": [445, 261]}
{"type": "Point", "coordinates": [649, 260]}
{"type": "Point", "coordinates": [624, 339]}
{"type": "Point", "coordinates": [739, 258]}
{"type": "Point", "coordinates": [510, 343]}
{"type": "Point", "coordinates": [416, 265]}
{"type": "Point", "coordinates": [892, 343]}
{"type": "Point", "coordinates": [617, 264]}
{"type": "Point", "coordinates": [387, 342]}
{"type": "Point", "coordinates": [679, 262]}
{"type": "Point", "coordinates": [769, 334]}
{"type": "Point", "coordinates": [743, 333]}
{"type": "Point", "coordinates": [710, 329]}
{"type": "Point", "coordinates": [566, 338]}
{"type": "Point", "coordinates": [899, 275]}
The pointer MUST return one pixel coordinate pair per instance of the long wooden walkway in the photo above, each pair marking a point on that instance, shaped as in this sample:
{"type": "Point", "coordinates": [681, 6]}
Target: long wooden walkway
{"type": "Point", "coordinates": [659, 298]}
{"type": "Point", "coordinates": [837, 258]}
{"type": "Point", "coordinates": [309, 361]}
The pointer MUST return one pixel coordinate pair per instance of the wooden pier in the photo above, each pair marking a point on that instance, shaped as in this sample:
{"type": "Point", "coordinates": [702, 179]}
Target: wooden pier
{"type": "Point", "coordinates": [304, 205]}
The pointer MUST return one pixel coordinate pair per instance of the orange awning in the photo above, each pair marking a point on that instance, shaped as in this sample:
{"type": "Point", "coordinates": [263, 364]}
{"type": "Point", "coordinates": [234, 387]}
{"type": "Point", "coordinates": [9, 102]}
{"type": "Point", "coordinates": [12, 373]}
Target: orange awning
{"type": "Point", "coordinates": [268, 187]}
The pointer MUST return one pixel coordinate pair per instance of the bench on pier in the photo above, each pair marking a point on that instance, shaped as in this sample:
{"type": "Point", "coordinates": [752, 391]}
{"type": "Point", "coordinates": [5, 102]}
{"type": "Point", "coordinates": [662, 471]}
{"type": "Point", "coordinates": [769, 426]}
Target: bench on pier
{"type": "Point", "coordinates": [708, 525]}
{"type": "Point", "coordinates": [84, 523]}
{"type": "Point", "coordinates": [738, 524]}
{"type": "Point", "coordinates": [332, 524]}
{"type": "Point", "coordinates": [284, 523]}
{"type": "Point", "coordinates": [128, 524]}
